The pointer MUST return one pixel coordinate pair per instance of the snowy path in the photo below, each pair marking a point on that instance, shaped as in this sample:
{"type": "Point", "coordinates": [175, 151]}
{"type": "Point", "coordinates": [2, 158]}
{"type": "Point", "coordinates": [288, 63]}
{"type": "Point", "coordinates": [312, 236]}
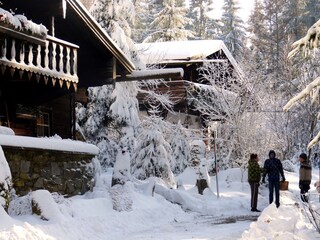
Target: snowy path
{"type": "Point", "coordinates": [201, 227]}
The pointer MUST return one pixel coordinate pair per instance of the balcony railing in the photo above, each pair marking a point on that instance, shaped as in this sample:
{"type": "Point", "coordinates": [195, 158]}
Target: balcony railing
{"type": "Point", "coordinates": [48, 59]}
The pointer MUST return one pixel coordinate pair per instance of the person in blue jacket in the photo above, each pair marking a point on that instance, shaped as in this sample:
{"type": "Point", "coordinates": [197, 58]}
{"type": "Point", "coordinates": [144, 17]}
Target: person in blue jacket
{"type": "Point", "coordinates": [273, 168]}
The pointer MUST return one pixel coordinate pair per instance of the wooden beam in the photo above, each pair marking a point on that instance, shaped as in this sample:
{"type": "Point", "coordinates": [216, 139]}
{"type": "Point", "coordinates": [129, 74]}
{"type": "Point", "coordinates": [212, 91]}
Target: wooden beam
{"type": "Point", "coordinates": [173, 73]}
{"type": "Point", "coordinates": [22, 36]}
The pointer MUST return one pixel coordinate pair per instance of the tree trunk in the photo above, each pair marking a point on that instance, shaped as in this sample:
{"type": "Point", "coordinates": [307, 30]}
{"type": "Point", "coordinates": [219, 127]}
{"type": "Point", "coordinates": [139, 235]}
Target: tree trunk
{"type": "Point", "coordinates": [201, 184]}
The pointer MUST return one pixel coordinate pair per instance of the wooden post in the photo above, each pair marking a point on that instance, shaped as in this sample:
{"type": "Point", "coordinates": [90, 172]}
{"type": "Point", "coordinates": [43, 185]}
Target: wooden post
{"type": "Point", "coordinates": [202, 184]}
{"type": "Point", "coordinates": [7, 112]}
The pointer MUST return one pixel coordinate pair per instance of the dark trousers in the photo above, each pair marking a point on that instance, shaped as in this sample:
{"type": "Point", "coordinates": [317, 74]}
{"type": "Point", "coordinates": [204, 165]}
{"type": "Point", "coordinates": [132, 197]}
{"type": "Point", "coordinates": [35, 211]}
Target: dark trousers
{"type": "Point", "coordinates": [274, 184]}
{"type": "Point", "coordinates": [304, 188]}
{"type": "Point", "coordinates": [254, 194]}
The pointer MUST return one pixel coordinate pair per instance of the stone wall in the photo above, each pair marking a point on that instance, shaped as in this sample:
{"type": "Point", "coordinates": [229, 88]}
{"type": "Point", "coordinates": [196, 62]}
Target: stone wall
{"type": "Point", "coordinates": [67, 173]}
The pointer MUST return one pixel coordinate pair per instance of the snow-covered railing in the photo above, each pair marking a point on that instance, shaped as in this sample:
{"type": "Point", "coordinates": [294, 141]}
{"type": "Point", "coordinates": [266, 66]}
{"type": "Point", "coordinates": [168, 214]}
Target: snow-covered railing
{"type": "Point", "coordinates": [49, 58]}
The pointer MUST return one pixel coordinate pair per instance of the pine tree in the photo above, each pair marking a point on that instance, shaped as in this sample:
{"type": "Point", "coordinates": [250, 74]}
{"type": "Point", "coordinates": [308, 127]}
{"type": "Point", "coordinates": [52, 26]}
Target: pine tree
{"type": "Point", "coordinates": [258, 36]}
{"type": "Point", "coordinates": [153, 153]}
{"type": "Point", "coordinates": [124, 111]}
{"type": "Point", "coordinates": [169, 24]}
{"type": "Point", "coordinates": [116, 17]}
{"type": "Point", "coordinates": [202, 26]}
{"type": "Point", "coordinates": [232, 28]}
{"type": "Point", "coordinates": [142, 20]}
{"type": "Point", "coordinates": [116, 118]}
{"type": "Point", "coordinates": [293, 19]}
{"type": "Point", "coordinates": [95, 123]}
{"type": "Point", "coordinates": [269, 40]}
{"type": "Point", "coordinates": [311, 13]}
{"type": "Point", "coordinates": [276, 37]}
{"type": "Point", "coordinates": [178, 139]}
{"type": "Point", "coordinates": [110, 15]}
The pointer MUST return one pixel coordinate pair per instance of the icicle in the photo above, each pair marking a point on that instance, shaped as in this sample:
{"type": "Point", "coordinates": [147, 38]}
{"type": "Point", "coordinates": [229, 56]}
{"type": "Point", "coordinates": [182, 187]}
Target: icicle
{"type": "Point", "coordinates": [52, 27]}
{"type": "Point", "coordinates": [3, 69]}
{"type": "Point", "coordinates": [68, 84]}
{"type": "Point", "coordinates": [46, 79]}
{"type": "Point", "coordinates": [38, 78]}
{"type": "Point", "coordinates": [61, 83]}
{"type": "Point", "coordinates": [54, 81]}
{"type": "Point", "coordinates": [20, 74]}
{"type": "Point", "coordinates": [12, 71]}
{"type": "Point", "coordinates": [64, 8]}
{"type": "Point", "coordinates": [29, 75]}
{"type": "Point", "coordinates": [75, 87]}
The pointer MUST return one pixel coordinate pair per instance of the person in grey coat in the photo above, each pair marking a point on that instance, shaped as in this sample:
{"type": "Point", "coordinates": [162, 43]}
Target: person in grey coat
{"type": "Point", "coordinates": [304, 176]}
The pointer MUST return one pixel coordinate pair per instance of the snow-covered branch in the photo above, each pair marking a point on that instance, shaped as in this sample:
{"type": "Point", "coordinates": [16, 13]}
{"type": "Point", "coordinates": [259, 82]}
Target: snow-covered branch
{"type": "Point", "coordinates": [308, 42]}
{"type": "Point", "coordinates": [303, 94]}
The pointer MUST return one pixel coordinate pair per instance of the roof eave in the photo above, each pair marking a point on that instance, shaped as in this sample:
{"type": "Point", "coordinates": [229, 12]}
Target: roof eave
{"type": "Point", "coordinates": [173, 73]}
{"type": "Point", "coordinates": [101, 34]}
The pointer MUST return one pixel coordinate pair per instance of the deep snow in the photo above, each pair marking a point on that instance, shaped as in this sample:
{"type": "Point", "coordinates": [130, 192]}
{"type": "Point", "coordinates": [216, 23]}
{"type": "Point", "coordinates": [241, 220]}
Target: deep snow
{"type": "Point", "coordinates": [91, 216]}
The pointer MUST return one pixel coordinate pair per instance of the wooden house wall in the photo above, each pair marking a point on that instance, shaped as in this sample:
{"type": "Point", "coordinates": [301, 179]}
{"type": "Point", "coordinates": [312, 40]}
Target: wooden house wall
{"type": "Point", "coordinates": [95, 63]}
{"type": "Point", "coordinates": [23, 99]}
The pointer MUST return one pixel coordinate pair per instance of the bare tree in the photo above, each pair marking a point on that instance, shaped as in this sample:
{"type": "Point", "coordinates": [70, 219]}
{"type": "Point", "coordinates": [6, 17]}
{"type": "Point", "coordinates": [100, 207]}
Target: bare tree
{"type": "Point", "coordinates": [225, 98]}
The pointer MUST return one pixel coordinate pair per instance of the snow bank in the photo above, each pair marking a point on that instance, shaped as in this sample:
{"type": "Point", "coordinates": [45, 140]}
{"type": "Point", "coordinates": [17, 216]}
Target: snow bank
{"type": "Point", "coordinates": [52, 143]}
{"type": "Point", "coordinates": [5, 172]}
{"type": "Point", "coordinates": [6, 131]}
{"type": "Point", "coordinates": [5, 220]}
{"type": "Point", "coordinates": [43, 201]}
{"type": "Point", "coordinates": [280, 223]}
{"type": "Point", "coordinates": [5, 179]}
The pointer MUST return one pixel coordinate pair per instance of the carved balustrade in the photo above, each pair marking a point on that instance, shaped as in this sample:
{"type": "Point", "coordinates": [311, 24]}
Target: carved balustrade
{"type": "Point", "coordinates": [48, 59]}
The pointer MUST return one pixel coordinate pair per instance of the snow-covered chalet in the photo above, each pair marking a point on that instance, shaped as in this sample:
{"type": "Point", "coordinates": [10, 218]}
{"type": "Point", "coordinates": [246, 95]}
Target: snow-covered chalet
{"type": "Point", "coordinates": [190, 56]}
{"type": "Point", "coordinates": [51, 52]}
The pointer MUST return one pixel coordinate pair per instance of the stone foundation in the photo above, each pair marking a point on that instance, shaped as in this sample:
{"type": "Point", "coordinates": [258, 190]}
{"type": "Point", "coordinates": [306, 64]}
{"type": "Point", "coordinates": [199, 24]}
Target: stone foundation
{"type": "Point", "coordinates": [67, 173]}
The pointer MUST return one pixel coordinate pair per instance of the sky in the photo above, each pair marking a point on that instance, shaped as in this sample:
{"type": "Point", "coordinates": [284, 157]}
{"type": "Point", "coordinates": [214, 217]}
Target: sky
{"type": "Point", "coordinates": [245, 5]}
{"type": "Point", "coordinates": [171, 214]}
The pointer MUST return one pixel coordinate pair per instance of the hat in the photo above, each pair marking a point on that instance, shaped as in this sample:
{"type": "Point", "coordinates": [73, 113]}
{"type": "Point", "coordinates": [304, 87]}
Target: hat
{"type": "Point", "coordinates": [303, 156]}
{"type": "Point", "coordinates": [272, 152]}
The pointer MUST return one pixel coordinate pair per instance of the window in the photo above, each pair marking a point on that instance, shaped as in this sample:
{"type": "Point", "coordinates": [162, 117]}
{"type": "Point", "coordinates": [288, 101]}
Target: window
{"type": "Point", "coordinates": [43, 124]}
{"type": "Point", "coordinates": [32, 121]}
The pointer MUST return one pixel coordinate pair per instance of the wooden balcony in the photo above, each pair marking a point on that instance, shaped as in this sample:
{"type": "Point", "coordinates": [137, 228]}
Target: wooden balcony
{"type": "Point", "coordinates": [47, 59]}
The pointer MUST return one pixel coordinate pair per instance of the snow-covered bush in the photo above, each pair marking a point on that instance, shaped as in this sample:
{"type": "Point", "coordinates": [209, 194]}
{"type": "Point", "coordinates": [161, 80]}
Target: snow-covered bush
{"type": "Point", "coordinates": [44, 205]}
{"type": "Point", "coordinates": [5, 180]}
{"type": "Point", "coordinates": [20, 206]}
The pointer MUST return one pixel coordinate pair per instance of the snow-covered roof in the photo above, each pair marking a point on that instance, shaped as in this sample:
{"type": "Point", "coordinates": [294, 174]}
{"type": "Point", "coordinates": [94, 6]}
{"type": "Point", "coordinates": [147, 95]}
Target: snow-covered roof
{"type": "Point", "coordinates": [186, 52]}
{"type": "Point", "coordinates": [176, 51]}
